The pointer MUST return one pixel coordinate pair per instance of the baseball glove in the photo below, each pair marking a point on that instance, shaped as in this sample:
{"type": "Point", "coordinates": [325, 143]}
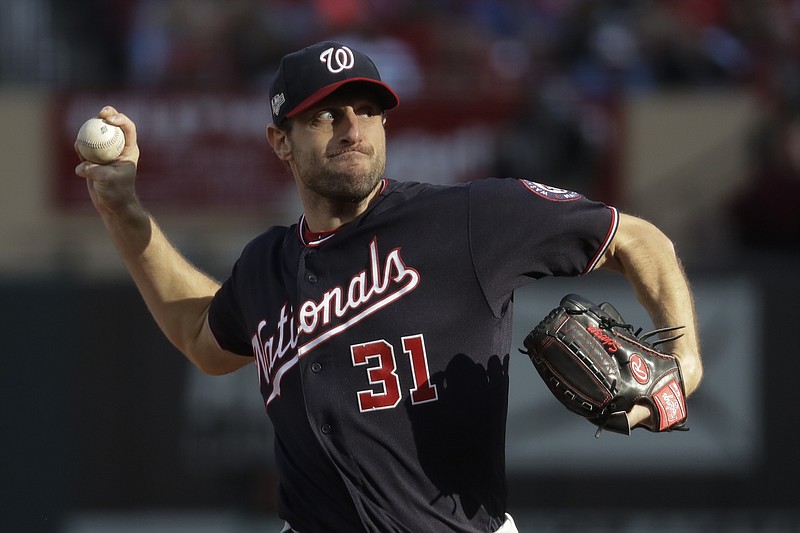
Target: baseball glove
{"type": "Point", "coordinates": [597, 366]}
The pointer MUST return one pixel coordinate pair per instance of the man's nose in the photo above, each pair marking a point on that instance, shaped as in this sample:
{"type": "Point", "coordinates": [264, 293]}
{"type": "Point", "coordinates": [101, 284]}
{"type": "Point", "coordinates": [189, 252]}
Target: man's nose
{"type": "Point", "coordinates": [351, 127]}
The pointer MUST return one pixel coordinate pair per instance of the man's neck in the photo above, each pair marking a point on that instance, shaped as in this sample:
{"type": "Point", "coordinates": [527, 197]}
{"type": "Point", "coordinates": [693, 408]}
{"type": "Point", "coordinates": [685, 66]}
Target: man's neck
{"type": "Point", "coordinates": [324, 215]}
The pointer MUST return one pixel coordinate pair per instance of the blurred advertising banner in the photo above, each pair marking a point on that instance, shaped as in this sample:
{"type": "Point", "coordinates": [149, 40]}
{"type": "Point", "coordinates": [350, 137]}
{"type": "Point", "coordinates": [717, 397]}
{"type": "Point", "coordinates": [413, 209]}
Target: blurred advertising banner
{"type": "Point", "coordinates": [209, 150]}
{"type": "Point", "coordinates": [197, 150]}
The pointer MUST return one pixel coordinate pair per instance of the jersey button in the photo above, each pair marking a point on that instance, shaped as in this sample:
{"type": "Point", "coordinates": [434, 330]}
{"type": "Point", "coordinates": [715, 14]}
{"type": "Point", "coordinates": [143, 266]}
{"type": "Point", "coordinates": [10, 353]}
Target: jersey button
{"type": "Point", "coordinates": [311, 278]}
{"type": "Point", "coordinates": [316, 367]}
{"type": "Point", "coordinates": [326, 429]}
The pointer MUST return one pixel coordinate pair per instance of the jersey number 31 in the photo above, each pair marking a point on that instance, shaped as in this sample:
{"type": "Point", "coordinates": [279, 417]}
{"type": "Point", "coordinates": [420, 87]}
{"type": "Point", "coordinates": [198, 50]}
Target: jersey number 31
{"type": "Point", "coordinates": [379, 359]}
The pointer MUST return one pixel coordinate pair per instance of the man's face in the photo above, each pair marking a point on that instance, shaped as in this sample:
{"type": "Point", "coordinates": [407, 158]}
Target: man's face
{"type": "Point", "coordinates": [338, 147]}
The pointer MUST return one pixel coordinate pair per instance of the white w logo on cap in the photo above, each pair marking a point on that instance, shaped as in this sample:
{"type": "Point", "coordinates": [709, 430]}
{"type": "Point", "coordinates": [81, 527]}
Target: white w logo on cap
{"type": "Point", "coordinates": [337, 59]}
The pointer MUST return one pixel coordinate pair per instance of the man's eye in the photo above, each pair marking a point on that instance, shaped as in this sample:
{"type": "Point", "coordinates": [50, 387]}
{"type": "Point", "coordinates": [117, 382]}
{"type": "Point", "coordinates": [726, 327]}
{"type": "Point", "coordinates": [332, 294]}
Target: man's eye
{"type": "Point", "coordinates": [326, 116]}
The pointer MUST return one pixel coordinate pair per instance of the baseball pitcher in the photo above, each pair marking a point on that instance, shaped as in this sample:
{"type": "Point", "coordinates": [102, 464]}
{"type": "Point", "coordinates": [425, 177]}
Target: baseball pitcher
{"type": "Point", "coordinates": [380, 322]}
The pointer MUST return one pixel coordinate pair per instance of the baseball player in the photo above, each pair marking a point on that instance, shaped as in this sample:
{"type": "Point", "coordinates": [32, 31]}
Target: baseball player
{"type": "Point", "coordinates": [380, 322]}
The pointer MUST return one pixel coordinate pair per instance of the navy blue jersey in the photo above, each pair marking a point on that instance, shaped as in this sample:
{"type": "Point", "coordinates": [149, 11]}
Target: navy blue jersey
{"type": "Point", "coordinates": [383, 348]}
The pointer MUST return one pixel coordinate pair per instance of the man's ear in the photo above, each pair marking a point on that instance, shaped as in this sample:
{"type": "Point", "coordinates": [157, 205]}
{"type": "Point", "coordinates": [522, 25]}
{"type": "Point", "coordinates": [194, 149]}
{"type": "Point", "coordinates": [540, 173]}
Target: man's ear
{"type": "Point", "coordinates": [280, 142]}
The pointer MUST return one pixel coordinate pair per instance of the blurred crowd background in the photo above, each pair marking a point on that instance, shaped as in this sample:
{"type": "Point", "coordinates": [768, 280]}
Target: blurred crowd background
{"type": "Point", "coordinates": [686, 112]}
{"type": "Point", "coordinates": [564, 67]}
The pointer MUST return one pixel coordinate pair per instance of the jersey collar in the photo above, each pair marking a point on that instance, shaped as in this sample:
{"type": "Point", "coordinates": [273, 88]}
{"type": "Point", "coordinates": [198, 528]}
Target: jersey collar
{"type": "Point", "coordinates": [313, 239]}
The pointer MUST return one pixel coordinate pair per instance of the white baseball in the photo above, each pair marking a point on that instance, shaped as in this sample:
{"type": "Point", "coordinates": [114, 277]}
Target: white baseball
{"type": "Point", "coordinates": [100, 142]}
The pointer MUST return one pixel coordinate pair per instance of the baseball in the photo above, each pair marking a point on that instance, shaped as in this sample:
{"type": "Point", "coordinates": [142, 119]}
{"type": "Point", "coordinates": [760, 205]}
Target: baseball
{"type": "Point", "coordinates": [100, 142]}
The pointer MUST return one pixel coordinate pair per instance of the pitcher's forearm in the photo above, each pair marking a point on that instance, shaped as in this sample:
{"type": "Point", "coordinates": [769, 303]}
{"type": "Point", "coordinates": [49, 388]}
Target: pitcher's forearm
{"type": "Point", "coordinates": [675, 307]}
{"type": "Point", "coordinates": [176, 292]}
{"type": "Point", "coordinates": [646, 257]}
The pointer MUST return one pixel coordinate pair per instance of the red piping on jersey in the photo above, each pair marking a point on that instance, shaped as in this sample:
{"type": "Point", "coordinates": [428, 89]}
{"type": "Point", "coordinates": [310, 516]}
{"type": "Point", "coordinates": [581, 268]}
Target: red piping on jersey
{"type": "Point", "coordinates": [315, 238]}
{"type": "Point", "coordinates": [312, 238]}
{"type": "Point", "coordinates": [612, 230]}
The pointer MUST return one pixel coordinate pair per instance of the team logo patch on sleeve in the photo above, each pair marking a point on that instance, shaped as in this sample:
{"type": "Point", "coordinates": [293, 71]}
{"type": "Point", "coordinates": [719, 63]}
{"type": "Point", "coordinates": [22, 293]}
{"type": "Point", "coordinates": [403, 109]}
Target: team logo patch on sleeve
{"type": "Point", "coordinates": [550, 193]}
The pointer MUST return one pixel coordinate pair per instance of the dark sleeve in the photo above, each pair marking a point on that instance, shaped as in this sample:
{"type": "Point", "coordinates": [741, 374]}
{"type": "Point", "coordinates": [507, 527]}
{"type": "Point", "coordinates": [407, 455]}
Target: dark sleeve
{"type": "Point", "coordinates": [522, 230]}
{"type": "Point", "coordinates": [252, 290]}
{"type": "Point", "coordinates": [225, 318]}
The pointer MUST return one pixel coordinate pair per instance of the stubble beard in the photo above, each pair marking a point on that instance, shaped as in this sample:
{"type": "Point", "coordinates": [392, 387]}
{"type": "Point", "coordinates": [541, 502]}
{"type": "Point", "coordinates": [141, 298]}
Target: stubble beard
{"type": "Point", "coordinates": [344, 186]}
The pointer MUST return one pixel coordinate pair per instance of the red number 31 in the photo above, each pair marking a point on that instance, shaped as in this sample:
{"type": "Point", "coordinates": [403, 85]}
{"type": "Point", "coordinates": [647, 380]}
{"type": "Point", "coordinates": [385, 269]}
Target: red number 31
{"type": "Point", "coordinates": [382, 373]}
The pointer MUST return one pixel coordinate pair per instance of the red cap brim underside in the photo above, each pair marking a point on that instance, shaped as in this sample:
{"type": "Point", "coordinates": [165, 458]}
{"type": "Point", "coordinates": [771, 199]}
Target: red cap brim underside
{"type": "Point", "coordinates": [388, 98]}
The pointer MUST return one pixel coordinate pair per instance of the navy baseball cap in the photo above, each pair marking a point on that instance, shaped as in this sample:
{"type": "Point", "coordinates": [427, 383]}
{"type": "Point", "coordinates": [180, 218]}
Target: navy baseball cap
{"type": "Point", "coordinates": [307, 76]}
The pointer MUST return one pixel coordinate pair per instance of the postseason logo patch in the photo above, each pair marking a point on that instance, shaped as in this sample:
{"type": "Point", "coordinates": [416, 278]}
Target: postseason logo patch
{"type": "Point", "coordinates": [550, 193]}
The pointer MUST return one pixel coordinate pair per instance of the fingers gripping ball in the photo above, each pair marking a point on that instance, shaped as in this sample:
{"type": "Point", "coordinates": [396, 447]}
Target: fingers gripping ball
{"type": "Point", "coordinates": [596, 365]}
{"type": "Point", "coordinates": [100, 142]}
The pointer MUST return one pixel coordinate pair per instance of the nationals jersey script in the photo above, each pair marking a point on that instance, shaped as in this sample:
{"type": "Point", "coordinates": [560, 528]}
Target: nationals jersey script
{"type": "Point", "coordinates": [383, 348]}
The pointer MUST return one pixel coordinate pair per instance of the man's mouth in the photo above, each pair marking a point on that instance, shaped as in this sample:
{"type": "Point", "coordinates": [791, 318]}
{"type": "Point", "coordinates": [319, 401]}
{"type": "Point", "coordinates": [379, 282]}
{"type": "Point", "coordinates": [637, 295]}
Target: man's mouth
{"type": "Point", "coordinates": [349, 152]}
